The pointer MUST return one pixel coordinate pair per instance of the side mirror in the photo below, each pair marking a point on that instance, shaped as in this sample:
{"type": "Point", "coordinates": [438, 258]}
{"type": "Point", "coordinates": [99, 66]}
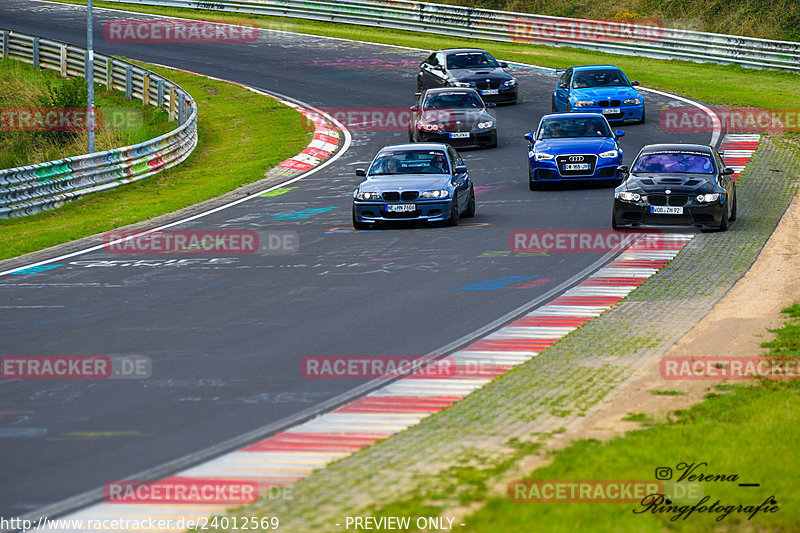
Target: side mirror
{"type": "Point", "coordinates": [439, 68]}
{"type": "Point", "coordinates": [619, 133]}
{"type": "Point", "coordinates": [634, 83]}
{"type": "Point", "coordinates": [562, 85]}
{"type": "Point", "coordinates": [622, 169]}
{"type": "Point", "coordinates": [529, 137]}
{"type": "Point", "coordinates": [414, 108]}
{"type": "Point", "coordinates": [361, 173]}
{"type": "Point", "coordinates": [417, 95]}
{"type": "Point", "coordinates": [491, 104]}
{"type": "Point", "coordinates": [460, 169]}
{"type": "Point", "coordinates": [503, 64]}
{"type": "Point", "coordinates": [727, 171]}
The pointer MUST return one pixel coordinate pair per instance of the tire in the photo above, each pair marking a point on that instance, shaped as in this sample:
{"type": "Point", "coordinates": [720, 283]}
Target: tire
{"type": "Point", "coordinates": [533, 185]}
{"type": "Point", "coordinates": [723, 225]}
{"type": "Point", "coordinates": [614, 222]}
{"type": "Point", "coordinates": [553, 105]}
{"type": "Point", "coordinates": [494, 142]}
{"type": "Point", "coordinates": [410, 136]}
{"type": "Point", "coordinates": [733, 211]}
{"type": "Point", "coordinates": [357, 224]}
{"type": "Point", "coordinates": [470, 212]}
{"type": "Point", "coordinates": [454, 215]}
{"type": "Point", "coordinates": [643, 117]}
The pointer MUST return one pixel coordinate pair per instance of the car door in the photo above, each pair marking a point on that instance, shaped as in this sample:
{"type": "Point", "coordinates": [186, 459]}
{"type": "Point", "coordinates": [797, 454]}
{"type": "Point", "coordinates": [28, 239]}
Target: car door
{"type": "Point", "coordinates": [416, 114]}
{"type": "Point", "coordinates": [424, 77]}
{"type": "Point", "coordinates": [460, 181]}
{"type": "Point", "coordinates": [561, 95]}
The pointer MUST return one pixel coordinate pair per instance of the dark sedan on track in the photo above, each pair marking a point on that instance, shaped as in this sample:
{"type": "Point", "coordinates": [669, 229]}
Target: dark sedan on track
{"type": "Point", "coordinates": [573, 147]}
{"type": "Point", "coordinates": [684, 185]}
{"type": "Point", "coordinates": [468, 67]}
{"type": "Point", "coordinates": [454, 116]}
{"type": "Point", "coordinates": [426, 182]}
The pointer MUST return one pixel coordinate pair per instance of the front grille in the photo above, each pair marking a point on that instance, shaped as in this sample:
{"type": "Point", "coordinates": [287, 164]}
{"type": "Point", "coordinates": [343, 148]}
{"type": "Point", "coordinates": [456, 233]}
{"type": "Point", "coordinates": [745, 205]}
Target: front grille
{"type": "Point", "coordinates": [391, 196]}
{"type": "Point", "coordinates": [408, 196]}
{"type": "Point", "coordinates": [412, 214]}
{"type": "Point", "coordinates": [608, 103]}
{"type": "Point", "coordinates": [663, 199]}
{"type": "Point", "coordinates": [491, 85]}
{"type": "Point", "coordinates": [547, 174]}
{"type": "Point", "coordinates": [677, 220]}
{"type": "Point", "coordinates": [565, 160]}
{"type": "Point", "coordinates": [614, 116]}
{"type": "Point", "coordinates": [463, 125]}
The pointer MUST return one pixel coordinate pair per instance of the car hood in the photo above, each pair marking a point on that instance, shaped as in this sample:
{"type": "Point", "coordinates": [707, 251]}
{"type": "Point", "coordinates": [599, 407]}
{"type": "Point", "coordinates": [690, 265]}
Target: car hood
{"type": "Point", "coordinates": [450, 116]}
{"type": "Point", "coordinates": [480, 74]}
{"type": "Point", "coordinates": [676, 183]}
{"type": "Point", "coordinates": [599, 93]}
{"type": "Point", "coordinates": [409, 182]}
{"type": "Point", "coordinates": [576, 145]}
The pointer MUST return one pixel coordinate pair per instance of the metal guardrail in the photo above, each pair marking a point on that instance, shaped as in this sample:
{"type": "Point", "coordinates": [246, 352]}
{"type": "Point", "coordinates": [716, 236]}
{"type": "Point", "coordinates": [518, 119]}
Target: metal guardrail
{"type": "Point", "coordinates": [606, 36]}
{"type": "Point", "coordinates": [30, 189]}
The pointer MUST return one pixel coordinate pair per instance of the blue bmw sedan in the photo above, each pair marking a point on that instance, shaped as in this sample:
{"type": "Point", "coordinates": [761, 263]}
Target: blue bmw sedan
{"type": "Point", "coordinates": [573, 146]}
{"type": "Point", "coordinates": [414, 182]}
{"type": "Point", "coordinates": [600, 89]}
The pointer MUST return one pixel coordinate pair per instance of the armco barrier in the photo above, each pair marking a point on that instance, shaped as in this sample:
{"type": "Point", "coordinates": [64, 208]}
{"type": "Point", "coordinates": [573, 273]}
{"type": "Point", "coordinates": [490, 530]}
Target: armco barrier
{"type": "Point", "coordinates": [607, 36]}
{"type": "Point", "coordinates": [30, 189]}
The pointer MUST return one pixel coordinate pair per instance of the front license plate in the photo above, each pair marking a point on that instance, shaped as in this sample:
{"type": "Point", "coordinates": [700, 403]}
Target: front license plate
{"type": "Point", "coordinates": [460, 135]}
{"type": "Point", "coordinates": [611, 111]}
{"type": "Point", "coordinates": [577, 166]}
{"type": "Point", "coordinates": [666, 210]}
{"type": "Point", "coordinates": [401, 208]}
{"type": "Point", "coordinates": [488, 92]}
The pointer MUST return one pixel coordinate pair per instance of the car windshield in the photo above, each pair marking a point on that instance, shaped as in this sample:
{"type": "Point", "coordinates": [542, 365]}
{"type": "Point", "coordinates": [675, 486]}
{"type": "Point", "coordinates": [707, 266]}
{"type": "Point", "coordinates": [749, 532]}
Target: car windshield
{"type": "Point", "coordinates": [453, 100]}
{"type": "Point", "coordinates": [599, 78]}
{"type": "Point", "coordinates": [410, 162]}
{"type": "Point", "coordinates": [470, 60]}
{"type": "Point", "coordinates": [574, 127]}
{"type": "Point", "coordinates": [674, 162]}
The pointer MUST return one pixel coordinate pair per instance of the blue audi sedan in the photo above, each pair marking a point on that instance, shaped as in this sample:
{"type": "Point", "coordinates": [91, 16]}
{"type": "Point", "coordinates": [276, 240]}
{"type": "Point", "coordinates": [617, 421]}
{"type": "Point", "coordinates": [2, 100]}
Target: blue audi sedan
{"type": "Point", "coordinates": [572, 147]}
{"type": "Point", "coordinates": [600, 89]}
{"type": "Point", "coordinates": [426, 182]}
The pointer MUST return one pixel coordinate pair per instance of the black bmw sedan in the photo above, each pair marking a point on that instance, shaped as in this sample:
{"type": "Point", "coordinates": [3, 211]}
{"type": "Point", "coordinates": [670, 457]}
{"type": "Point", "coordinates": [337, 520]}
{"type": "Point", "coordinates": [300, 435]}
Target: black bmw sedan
{"type": "Point", "coordinates": [468, 67]}
{"type": "Point", "coordinates": [454, 116]}
{"type": "Point", "coordinates": [681, 185]}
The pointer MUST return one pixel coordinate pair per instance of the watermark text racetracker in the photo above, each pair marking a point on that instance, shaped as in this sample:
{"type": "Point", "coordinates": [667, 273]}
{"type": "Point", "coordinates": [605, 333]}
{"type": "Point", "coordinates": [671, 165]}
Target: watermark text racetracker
{"type": "Point", "coordinates": [728, 368]}
{"type": "Point", "coordinates": [202, 242]}
{"type": "Point", "coordinates": [150, 523]}
{"type": "Point", "coordinates": [583, 240]}
{"type": "Point", "coordinates": [732, 119]}
{"type": "Point", "coordinates": [75, 367]}
{"type": "Point", "coordinates": [176, 31]}
{"type": "Point", "coordinates": [72, 119]}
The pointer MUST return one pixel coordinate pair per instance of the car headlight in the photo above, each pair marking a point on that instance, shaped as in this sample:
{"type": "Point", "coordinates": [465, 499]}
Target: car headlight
{"type": "Point", "coordinates": [364, 195]}
{"type": "Point", "coordinates": [485, 125]}
{"type": "Point", "coordinates": [707, 198]}
{"type": "Point", "coordinates": [509, 83]}
{"type": "Point", "coordinates": [439, 193]}
{"type": "Point", "coordinates": [584, 103]}
{"type": "Point", "coordinates": [632, 101]}
{"type": "Point", "coordinates": [542, 156]}
{"type": "Point", "coordinates": [611, 154]}
{"type": "Point", "coordinates": [631, 196]}
{"type": "Point", "coordinates": [462, 84]}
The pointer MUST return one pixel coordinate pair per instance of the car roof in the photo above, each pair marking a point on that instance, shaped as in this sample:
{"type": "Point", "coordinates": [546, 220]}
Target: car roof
{"type": "Point", "coordinates": [591, 67]}
{"type": "Point", "coordinates": [572, 115]}
{"type": "Point", "coordinates": [449, 51]}
{"type": "Point", "coordinates": [437, 90]}
{"type": "Point", "coordinates": [676, 146]}
{"type": "Point", "coordinates": [415, 146]}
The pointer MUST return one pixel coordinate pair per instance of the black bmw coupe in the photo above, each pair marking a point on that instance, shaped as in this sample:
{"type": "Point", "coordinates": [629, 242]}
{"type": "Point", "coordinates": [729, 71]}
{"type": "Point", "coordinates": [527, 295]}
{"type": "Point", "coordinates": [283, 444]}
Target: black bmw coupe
{"type": "Point", "coordinates": [682, 185]}
{"type": "Point", "coordinates": [468, 67]}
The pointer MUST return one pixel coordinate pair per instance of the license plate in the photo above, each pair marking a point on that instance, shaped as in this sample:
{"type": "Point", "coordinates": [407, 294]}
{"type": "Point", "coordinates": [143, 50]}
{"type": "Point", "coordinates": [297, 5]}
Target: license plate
{"type": "Point", "coordinates": [611, 111]}
{"type": "Point", "coordinates": [577, 166]}
{"type": "Point", "coordinates": [460, 135]}
{"type": "Point", "coordinates": [666, 210]}
{"type": "Point", "coordinates": [488, 92]}
{"type": "Point", "coordinates": [401, 208]}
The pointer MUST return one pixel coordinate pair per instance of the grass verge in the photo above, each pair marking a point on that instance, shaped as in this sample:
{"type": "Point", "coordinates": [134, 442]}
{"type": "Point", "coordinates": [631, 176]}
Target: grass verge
{"type": "Point", "coordinates": [241, 136]}
{"type": "Point", "coordinates": [762, 415]}
{"type": "Point", "coordinates": [714, 84]}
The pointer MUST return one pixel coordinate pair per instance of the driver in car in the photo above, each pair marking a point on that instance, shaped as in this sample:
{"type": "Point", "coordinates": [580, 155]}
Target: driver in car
{"type": "Point", "coordinates": [436, 166]}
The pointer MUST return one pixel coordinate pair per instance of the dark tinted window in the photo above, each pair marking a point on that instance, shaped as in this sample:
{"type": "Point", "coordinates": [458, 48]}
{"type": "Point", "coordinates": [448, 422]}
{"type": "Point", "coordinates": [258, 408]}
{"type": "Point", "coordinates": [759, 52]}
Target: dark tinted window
{"type": "Point", "coordinates": [674, 162]}
{"type": "Point", "coordinates": [573, 127]}
{"type": "Point", "coordinates": [410, 162]}
{"type": "Point", "coordinates": [599, 78]}
{"type": "Point", "coordinates": [453, 100]}
{"type": "Point", "coordinates": [470, 60]}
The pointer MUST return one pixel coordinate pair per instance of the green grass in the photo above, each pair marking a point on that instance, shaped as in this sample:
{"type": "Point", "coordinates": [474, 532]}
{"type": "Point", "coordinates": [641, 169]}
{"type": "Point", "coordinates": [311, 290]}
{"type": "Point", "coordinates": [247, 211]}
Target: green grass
{"type": "Point", "coordinates": [668, 393]}
{"type": "Point", "coordinates": [24, 87]}
{"type": "Point", "coordinates": [242, 135]}
{"type": "Point", "coordinates": [715, 84]}
{"type": "Point", "coordinates": [749, 431]}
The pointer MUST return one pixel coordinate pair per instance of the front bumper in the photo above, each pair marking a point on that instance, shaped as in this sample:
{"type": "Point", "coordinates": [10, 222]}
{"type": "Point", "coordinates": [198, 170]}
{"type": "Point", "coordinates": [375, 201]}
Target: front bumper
{"type": "Point", "coordinates": [695, 215]}
{"type": "Point", "coordinates": [628, 113]}
{"type": "Point", "coordinates": [476, 139]}
{"type": "Point", "coordinates": [505, 95]}
{"type": "Point", "coordinates": [547, 171]}
{"type": "Point", "coordinates": [371, 212]}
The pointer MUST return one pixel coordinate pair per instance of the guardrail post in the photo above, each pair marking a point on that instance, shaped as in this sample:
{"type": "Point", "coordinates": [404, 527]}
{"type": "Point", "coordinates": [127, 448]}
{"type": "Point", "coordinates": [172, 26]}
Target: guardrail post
{"type": "Point", "coordinates": [5, 44]}
{"type": "Point", "coordinates": [63, 60]}
{"type": "Point", "coordinates": [36, 52]}
{"type": "Point", "coordinates": [109, 74]}
{"type": "Point", "coordinates": [181, 110]}
{"type": "Point", "coordinates": [145, 89]}
{"type": "Point", "coordinates": [128, 82]}
{"type": "Point", "coordinates": [160, 93]}
{"type": "Point", "coordinates": [171, 103]}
